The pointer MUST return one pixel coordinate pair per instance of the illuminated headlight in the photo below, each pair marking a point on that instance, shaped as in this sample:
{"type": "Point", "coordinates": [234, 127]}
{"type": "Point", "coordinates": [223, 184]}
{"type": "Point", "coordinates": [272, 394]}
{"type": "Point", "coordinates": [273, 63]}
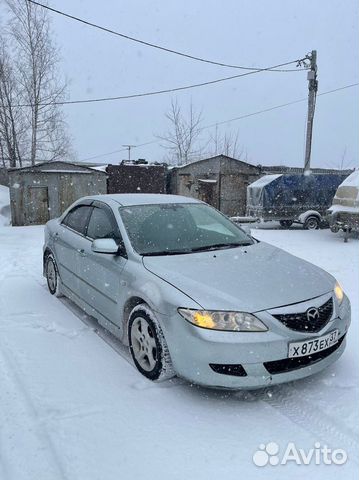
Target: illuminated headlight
{"type": "Point", "coordinates": [228, 321]}
{"type": "Point", "coordinates": [339, 293]}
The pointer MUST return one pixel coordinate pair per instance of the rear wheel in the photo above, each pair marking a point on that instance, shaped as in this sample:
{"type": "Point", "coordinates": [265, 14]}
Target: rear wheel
{"type": "Point", "coordinates": [148, 345]}
{"type": "Point", "coordinates": [286, 223]}
{"type": "Point", "coordinates": [52, 276]}
{"type": "Point", "coordinates": [312, 223]}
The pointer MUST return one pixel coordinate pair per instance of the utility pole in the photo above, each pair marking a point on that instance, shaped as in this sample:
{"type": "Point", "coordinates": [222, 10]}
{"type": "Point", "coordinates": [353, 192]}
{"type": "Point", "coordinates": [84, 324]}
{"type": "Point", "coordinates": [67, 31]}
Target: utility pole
{"type": "Point", "coordinates": [129, 150]}
{"type": "Point", "coordinates": [312, 95]}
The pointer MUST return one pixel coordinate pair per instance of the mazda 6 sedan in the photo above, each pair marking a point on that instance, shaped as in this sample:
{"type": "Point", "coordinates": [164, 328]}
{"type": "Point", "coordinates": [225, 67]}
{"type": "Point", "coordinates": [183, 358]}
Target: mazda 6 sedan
{"type": "Point", "coordinates": [192, 294]}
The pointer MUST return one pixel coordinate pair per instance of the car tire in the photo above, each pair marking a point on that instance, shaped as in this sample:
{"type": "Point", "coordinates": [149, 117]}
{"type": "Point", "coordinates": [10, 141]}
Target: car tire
{"type": "Point", "coordinates": [286, 223]}
{"type": "Point", "coordinates": [312, 223]}
{"type": "Point", "coordinates": [148, 345]}
{"type": "Point", "coordinates": [52, 276]}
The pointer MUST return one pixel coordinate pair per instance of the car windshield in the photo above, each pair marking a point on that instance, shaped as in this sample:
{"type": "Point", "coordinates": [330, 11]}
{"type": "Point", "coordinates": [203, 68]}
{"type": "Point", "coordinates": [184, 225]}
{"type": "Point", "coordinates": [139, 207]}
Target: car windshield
{"type": "Point", "coordinates": [169, 229]}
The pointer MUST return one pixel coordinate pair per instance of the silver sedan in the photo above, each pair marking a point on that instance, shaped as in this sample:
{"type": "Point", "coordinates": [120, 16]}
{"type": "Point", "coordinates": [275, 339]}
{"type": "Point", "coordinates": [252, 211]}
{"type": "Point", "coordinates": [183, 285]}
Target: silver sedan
{"type": "Point", "coordinates": [192, 294]}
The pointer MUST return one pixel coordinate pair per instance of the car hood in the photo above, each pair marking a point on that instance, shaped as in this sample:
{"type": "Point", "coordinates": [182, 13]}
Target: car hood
{"type": "Point", "coordinates": [250, 279]}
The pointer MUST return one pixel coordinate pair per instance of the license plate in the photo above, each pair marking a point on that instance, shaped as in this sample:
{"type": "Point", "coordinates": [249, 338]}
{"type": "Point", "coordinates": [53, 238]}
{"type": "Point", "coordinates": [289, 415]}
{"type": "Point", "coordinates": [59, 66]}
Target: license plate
{"type": "Point", "coordinates": [301, 349]}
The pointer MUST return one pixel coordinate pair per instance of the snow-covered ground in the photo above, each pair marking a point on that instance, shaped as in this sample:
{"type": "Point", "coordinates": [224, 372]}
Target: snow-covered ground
{"type": "Point", "coordinates": [72, 406]}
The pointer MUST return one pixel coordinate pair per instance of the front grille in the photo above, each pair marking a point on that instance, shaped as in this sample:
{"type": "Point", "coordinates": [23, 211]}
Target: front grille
{"type": "Point", "coordinates": [300, 323]}
{"type": "Point", "coordinates": [226, 369]}
{"type": "Point", "coordinates": [289, 364]}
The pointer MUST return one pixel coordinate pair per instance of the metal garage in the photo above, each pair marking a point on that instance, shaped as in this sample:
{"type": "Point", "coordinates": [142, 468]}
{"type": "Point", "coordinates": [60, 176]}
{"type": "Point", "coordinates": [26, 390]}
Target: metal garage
{"type": "Point", "coordinates": [41, 192]}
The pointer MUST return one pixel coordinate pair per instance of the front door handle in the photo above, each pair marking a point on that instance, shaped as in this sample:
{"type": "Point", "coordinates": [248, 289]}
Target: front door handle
{"type": "Point", "coordinates": [82, 252]}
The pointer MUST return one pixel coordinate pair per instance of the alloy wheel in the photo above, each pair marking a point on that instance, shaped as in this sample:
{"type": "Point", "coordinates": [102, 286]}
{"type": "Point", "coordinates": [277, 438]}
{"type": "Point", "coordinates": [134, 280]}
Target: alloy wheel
{"type": "Point", "coordinates": [144, 345]}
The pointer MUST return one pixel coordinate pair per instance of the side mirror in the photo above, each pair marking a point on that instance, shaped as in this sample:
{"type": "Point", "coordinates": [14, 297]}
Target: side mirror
{"type": "Point", "coordinates": [104, 245]}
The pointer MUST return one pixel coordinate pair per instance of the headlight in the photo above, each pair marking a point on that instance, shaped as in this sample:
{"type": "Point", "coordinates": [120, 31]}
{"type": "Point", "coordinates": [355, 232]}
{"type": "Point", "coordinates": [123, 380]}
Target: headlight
{"type": "Point", "coordinates": [228, 321]}
{"type": "Point", "coordinates": [339, 293]}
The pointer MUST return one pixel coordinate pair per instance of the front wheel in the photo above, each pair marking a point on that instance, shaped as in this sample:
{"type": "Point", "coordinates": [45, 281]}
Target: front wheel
{"type": "Point", "coordinates": [311, 223]}
{"type": "Point", "coordinates": [148, 346]}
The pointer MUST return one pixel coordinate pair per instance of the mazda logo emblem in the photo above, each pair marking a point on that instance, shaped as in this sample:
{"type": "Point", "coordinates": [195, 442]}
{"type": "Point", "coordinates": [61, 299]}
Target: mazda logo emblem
{"type": "Point", "coordinates": [313, 314]}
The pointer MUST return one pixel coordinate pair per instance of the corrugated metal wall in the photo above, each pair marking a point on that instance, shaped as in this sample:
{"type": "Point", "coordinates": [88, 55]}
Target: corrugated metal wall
{"type": "Point", "coordinates": [136, 178]}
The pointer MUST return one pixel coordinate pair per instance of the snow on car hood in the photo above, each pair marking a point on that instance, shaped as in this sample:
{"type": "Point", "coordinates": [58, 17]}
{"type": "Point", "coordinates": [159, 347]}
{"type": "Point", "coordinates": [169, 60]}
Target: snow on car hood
{"type": "Point", "coordinates": [253, 278]}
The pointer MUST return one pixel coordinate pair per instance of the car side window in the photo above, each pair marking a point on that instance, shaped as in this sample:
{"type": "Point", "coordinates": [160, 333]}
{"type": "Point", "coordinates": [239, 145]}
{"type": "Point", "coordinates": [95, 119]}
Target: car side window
{"type": "Point", "coordinates": [101, 225]}
{"type": "Point", "coordinates": [77, 218]}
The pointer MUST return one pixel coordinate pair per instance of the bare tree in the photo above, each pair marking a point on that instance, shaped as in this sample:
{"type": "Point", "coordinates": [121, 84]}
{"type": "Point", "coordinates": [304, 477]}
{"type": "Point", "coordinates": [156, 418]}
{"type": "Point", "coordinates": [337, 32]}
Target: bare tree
{"type": "Point", "coordinates": [181, 139]}
{"type": "Point", "coordinates": [34, 75]}
{"type": "Point", "coordinates": [226, 143]}
{"type": "Point", "coordinates": [12, 122]}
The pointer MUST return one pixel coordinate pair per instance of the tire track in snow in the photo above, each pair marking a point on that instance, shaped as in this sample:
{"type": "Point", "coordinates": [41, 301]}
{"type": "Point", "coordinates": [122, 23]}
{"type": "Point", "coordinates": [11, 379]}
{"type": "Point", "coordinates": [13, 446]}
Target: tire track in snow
{"type": "Point", "coordinates": [100, 331]}
{"type": "Point", "coordinates": [23, 436]}
{"type": "Point", "coordinates": [291, 403]}
{"type": "Point", "coordinates": [18, 269]}
{"type": "Point", "coordinates": [113, 342]}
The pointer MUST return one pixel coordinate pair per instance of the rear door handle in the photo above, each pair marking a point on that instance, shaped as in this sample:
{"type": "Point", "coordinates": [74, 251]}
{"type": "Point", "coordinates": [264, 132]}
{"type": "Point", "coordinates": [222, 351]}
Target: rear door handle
{"type": "Point", "coordinates": [82, 252]}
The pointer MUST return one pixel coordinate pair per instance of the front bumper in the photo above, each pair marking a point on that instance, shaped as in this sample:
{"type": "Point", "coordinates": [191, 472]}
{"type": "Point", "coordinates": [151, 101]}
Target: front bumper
{"type": "Point", "coordinates": [193, 350]}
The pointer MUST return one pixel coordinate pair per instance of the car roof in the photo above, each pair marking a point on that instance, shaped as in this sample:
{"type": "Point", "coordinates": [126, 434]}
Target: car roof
{"type": "Point", "coordinates": [128, 199]}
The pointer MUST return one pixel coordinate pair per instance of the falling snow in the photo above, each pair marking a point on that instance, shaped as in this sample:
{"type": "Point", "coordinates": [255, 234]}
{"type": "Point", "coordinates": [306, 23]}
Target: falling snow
{"type": "Point", "coordinates": [74, 407]}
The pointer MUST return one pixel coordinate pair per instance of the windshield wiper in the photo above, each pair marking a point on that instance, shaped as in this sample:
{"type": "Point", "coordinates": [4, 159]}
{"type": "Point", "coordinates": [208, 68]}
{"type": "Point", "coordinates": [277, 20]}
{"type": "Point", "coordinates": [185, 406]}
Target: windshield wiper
{"type": "Point", "coordinates": [218, 246]}
{"type": "Point", "coordinates": [165, 252]}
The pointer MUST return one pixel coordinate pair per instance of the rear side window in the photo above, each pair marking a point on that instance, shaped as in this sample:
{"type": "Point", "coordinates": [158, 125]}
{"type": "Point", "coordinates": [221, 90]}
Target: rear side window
{"type": "Point", "coordinates": [77, 218]}
{"type": "Point", "coordinates": [101, 225]}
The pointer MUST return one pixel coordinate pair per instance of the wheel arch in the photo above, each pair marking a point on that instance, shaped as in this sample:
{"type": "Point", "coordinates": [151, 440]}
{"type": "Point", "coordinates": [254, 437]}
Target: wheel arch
{"type": "Point", "coordinates": [130, 304]}
{"type": "Point", "coordinates": [308, 223]}
{"type": "Point", "coordinates": [309, 213]}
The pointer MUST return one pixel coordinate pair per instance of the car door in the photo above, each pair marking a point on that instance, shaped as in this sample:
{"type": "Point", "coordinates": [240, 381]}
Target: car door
{"type": "Point", "coordinates": [68, 243]}
{"type": "Point", "coordinates": [101, 273]}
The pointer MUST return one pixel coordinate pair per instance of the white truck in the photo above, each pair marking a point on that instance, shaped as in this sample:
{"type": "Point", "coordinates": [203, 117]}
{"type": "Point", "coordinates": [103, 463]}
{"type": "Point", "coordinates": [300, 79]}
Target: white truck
{"type": "Point", "coordinates": [344, 212]}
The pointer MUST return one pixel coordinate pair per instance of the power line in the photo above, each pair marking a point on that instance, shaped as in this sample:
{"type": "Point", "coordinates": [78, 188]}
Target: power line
{"type": "Point", "coordinates": [118, 151]}
{"type": "Point", "coordinates": [104, 154]}
{"type": "Point", "coordinates": [165, 49]}
{"type": "Point", "coordinates": [259, 112]}
{"type": "Point", "coordinates": [148, 94]}
{"type": "Point", "coordinates": [279, 106]}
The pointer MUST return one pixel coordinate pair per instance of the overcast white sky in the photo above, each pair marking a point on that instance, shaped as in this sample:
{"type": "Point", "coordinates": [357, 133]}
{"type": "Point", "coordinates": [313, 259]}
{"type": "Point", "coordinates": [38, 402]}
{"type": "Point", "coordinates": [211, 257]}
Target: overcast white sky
{"type": "Point", "coordinates": [245, 32]}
